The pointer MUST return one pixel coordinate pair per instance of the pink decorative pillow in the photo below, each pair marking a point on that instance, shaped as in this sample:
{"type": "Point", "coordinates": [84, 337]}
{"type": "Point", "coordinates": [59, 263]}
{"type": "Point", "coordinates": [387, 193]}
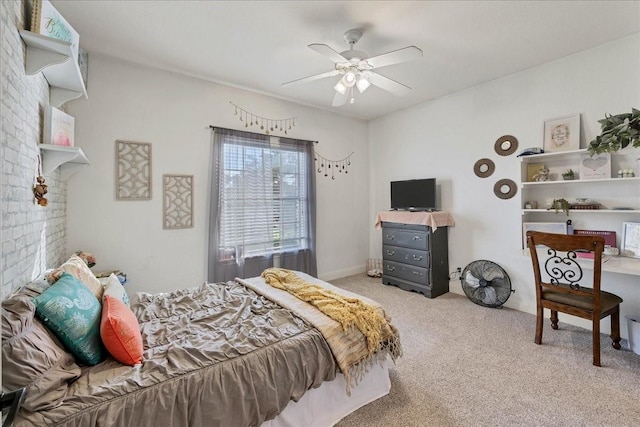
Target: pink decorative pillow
{"type": "Point", "coordinates": [120, 331]}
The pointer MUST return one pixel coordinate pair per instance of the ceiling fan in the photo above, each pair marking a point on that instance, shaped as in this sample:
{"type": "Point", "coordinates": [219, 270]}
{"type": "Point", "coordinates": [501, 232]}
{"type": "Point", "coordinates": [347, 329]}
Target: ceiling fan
{"type": "Point", "coordinates": [357, 68]}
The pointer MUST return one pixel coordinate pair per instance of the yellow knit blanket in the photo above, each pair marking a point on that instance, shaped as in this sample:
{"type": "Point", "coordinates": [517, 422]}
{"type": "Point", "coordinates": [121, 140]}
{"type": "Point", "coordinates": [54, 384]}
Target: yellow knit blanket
{"type": "Point", "coordinates": [349, 312]}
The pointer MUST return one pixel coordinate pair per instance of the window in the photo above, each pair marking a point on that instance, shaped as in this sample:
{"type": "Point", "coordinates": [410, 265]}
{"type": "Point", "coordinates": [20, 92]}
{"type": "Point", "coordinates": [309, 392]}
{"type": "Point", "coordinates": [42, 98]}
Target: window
{"type": "Point", "coordinates": [262, 197]}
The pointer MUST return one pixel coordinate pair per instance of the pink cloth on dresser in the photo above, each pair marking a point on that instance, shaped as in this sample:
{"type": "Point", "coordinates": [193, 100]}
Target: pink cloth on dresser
{"type": "Point", "coordinates": [432, 219]}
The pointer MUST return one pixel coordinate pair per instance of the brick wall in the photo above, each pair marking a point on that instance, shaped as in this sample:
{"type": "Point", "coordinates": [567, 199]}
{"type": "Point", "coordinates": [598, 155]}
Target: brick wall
{"type": "Point", "coordinates": [32, 237]}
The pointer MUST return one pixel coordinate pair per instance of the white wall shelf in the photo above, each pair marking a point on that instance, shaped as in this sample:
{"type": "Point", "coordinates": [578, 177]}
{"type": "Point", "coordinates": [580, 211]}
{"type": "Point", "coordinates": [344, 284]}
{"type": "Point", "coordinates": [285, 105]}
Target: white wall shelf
{"type": "Point", "coordinates": [536, 158]}
{"type": "Point", "coordinates": [619, 198]}
{"type": "Point", "coordinates": [57, 62]}
{"type": "Point", "coordinates": [69, 159]}
{"type": "Point", "coordinates": [581, 211]}
{"type": "Point", "coordinates": [579, 181]}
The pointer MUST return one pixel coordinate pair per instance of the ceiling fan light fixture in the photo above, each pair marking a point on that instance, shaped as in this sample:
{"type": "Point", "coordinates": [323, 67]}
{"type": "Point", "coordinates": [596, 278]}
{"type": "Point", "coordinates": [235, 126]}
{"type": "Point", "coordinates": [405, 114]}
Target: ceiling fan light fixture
{"type": "Point", "coordinates": [340, 87]}
{"type": "Point", "coordinates": [349, 79]}
{"type": "Point", "coordinates": [362, 83]}
{"type": "Point", "coordinates": [356, 69]}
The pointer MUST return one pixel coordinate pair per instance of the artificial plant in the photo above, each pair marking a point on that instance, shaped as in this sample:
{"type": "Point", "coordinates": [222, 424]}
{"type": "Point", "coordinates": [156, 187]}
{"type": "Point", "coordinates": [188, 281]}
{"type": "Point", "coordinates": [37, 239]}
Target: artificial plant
{"type": "Point", "coordinates": [617, 132]}
{"type": "Point", "coordinates": [558, 204]}
{"type": "Point", "coordinates": [569, 174]}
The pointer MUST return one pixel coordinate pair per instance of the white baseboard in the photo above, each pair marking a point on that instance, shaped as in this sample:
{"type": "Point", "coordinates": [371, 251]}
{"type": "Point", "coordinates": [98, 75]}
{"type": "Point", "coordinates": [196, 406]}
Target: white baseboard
{"type": "Point", "coordinates": [342, 273]}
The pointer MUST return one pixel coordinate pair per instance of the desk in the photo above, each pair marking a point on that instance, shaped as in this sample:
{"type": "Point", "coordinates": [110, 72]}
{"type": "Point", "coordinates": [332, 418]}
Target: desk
{"type": "Point", "coordinates": [611, 264]}
{"type": "Point", "coordinates": [615, 264]}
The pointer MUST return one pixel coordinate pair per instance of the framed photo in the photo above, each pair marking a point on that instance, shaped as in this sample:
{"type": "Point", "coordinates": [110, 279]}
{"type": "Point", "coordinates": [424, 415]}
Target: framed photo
{"type": "Point", "coordinates": [545, 227]}
{"type": "Point", "coordinates": [83, 63]}
{"type": "Point", "coordinates": [47, 21]}
{"type": "Point", "coordinates": [533, 169]}
{"type": "Point", "coordinates": [562, 134]}
{"type": "Point", "coordinates": [630, 246]}
{"type": "Point", "coordinates": [58, 127]}
{"type": "Point", "coordinates": [597, 166]}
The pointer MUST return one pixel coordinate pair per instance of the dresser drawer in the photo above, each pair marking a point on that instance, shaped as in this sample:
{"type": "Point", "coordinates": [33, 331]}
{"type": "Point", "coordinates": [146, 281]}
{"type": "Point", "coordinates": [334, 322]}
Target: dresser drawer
{"type": "Point", "coordinates": [407, 238]}
{"type": "Point", "coordinates": [407, 272]}
{"type": "Point", "coordinates": [406, 256]}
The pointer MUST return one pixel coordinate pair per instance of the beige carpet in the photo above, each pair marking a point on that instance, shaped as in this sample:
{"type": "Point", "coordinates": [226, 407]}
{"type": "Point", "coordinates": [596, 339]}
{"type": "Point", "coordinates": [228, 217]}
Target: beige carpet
{"type": "Point", "coordinates": [467, 365]}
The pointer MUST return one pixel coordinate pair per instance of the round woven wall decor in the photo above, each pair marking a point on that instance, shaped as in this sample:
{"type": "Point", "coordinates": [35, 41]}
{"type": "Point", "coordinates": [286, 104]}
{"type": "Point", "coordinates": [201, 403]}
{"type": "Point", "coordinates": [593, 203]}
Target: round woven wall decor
{"type": "Point", "coordinates": [499, 190]}
{"type": "Point", "coordinates": [508, 141]}
{"type": "Point", "coordinates": [484, 168]}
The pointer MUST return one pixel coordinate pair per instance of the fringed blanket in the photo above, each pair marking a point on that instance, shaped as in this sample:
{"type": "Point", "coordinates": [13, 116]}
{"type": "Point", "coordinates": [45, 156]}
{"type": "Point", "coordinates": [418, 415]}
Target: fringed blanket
{"type": "Point", "coordinates": [349, 312]}
{"type": "Point", "coordinates": [350, 347]}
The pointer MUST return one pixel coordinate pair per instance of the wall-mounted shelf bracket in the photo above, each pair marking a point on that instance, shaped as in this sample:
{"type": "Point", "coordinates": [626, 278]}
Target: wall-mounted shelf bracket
{"type": "Point", "coordinates": [57, 62]}
{"type": "Point", "coordinates": [69, 159]}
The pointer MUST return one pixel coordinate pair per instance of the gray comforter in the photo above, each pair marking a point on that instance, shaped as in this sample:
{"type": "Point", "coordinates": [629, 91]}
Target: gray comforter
{"type": "Point", "coordinates": [216, 355]}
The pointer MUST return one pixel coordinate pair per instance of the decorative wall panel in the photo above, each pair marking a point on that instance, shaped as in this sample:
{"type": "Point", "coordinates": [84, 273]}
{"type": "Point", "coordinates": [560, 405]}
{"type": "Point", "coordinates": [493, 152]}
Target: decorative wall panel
{"type": "Point", "coordinates": [133, 170]}
{"type": "Point", "coordinates": [177, 201]}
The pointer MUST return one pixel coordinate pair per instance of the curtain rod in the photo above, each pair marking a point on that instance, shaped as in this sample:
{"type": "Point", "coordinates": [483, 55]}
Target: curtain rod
{"type": "Point", "coordinates": [257, 133]}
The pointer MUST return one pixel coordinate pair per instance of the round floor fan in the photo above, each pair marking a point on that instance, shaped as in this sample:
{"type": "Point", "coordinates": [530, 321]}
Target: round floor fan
{"type": "Point", "coordinates": [486, 283]}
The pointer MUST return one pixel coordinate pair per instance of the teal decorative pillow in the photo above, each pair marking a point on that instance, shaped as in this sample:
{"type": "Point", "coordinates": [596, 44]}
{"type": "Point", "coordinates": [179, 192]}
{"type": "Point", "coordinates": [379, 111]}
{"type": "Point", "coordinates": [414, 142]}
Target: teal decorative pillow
{"type": "Point", "coordinates": [72, 312]}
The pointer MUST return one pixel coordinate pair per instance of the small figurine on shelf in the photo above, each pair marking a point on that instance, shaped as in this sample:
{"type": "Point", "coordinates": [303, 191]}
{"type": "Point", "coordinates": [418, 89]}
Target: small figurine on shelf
{"type": "Point", "coordinates": [626, 173]}
{"type": "Point", "coordinates": [542, 175]}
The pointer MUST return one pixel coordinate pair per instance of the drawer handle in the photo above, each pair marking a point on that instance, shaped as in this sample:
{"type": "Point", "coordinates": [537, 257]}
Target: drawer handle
{"type": "Point", "coordinates": [417, 258]}
{"type": "Point", "coordinates": [417, 273]}
{"type": "Point", "coordinates": [417, 237]}
{"type": "Point", "coordinates": [391, 253]}
{"type": "Point", "coordinates": [390, 268]}
{"type": "Point", "coordinates": [391, 237]}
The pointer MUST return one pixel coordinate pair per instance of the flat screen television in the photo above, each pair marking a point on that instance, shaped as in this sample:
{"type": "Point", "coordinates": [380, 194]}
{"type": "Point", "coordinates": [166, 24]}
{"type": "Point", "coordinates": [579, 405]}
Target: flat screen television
{"type": "Point", "coordinates": [414, 194]}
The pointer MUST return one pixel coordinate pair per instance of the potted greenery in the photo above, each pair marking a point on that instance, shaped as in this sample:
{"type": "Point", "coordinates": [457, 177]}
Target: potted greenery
{"type": "Point", "coordinates": [617, 132]}
{"type": "Point", "coordinates": [558, 204]}
{"type": "Point", "coordinates": [568, 175]}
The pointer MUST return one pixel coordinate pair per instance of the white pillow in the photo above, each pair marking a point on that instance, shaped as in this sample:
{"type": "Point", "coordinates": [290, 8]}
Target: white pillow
{"type": "Point", "coordinates": [114, 288]}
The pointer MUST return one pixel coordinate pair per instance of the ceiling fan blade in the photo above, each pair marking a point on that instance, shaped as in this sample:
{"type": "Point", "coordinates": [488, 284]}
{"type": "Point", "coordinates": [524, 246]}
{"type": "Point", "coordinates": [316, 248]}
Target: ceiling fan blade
{"type": "Point", "coordinates": [312, 78]}
{"type": "Point", "coordinates": [327, 51]}
{"type": "Point", "coordinates": [339, 99]}
{"type": "Point", "coordinates": [389, 85]}
{"type": "Point", "coordinates": [401, 55]}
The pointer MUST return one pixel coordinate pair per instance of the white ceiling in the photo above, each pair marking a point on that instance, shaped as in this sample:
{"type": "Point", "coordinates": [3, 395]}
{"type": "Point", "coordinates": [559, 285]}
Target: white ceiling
{"type": "Point", "coordinates": [258, 45]}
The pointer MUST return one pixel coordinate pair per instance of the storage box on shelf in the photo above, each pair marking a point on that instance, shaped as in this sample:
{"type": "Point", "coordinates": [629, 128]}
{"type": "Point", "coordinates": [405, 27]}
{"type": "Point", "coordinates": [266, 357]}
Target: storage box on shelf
{"type": "Point", "coordinates": [596, 204]}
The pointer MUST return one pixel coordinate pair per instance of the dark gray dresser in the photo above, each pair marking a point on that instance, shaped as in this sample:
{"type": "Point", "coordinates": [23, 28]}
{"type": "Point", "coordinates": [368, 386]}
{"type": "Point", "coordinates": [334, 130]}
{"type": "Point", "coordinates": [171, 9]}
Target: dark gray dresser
{"type": "Point", "coordinates": [415, 258]}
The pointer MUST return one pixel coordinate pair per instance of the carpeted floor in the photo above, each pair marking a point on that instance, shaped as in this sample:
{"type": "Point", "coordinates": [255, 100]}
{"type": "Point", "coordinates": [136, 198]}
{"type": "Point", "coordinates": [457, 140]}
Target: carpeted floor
{"type": "Point", "coordinates": [467, 365]}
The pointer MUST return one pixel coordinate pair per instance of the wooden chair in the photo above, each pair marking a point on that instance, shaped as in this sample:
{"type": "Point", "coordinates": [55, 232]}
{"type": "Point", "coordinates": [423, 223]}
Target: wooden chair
{"type": "Point", "coordinates": [563, 293]}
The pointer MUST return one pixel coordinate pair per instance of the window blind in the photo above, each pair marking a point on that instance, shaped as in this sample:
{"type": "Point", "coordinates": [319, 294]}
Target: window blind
{"type": "Point", "coordinates": [263, 195]}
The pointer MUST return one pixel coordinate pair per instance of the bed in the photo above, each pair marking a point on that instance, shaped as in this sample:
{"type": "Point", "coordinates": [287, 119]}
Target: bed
{"type": "Point", "coordinates": [240, 353]}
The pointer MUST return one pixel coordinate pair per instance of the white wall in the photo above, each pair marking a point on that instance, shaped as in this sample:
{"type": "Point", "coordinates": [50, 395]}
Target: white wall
{"type": "Point", "coordinates": [173, 112]}
{"type": "Point", "coordinates": [444, 138]}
